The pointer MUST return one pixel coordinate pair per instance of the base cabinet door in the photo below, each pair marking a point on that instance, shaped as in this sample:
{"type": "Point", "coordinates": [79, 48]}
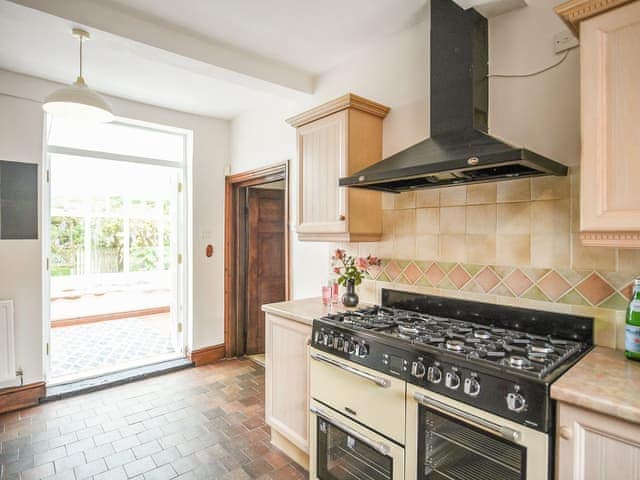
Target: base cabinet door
{"type": "Point", "coordinates": [592, 446]}
{"type": "Point", "coordinates": [287, 380]}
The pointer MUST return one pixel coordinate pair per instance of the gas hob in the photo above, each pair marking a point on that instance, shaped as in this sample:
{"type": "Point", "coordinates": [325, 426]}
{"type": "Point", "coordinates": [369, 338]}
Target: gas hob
{"type": "Point", "coordinates": [497, 358]}
{"type": "Point", "coordinates": [528, 353]}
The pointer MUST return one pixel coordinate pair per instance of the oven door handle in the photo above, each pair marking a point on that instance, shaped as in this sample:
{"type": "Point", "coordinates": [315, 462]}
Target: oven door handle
{"type": "Point", "coordinates": [381, 382]}
{"type": "Point", "coordinates": [378, 447]}
{"type": "Point", "coordinates": [505, 432]}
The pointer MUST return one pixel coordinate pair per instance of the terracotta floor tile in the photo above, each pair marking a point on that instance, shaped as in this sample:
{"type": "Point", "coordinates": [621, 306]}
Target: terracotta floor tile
{"type": "Point", "coordinates": [199, 423]}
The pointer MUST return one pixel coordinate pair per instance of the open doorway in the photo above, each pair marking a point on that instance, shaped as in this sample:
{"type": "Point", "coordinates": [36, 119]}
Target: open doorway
{"type": "Point", "coordinates": [115, 239]}
{"type": "Point", "coordinates": [257, 256]}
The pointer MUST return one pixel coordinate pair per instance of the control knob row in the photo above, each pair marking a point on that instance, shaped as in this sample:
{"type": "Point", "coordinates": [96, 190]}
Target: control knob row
{"type": "Point", "coordinates": [452, 380]}
{"type": "Point", "coordinates": [338, 342]}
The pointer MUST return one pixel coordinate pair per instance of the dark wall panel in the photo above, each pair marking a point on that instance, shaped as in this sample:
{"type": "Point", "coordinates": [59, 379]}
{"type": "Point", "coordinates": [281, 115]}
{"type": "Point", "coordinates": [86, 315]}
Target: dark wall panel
{"type": "Point", "coordinates": [18, 200]}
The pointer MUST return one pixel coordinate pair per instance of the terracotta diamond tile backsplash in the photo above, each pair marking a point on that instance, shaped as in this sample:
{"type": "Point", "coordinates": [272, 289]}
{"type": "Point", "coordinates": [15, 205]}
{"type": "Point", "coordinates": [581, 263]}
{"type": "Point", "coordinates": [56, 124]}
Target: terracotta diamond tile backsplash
{"type": "Point", "coordinates": [566, 286]}
{"type": "Point", "coordinates": [518, 282]}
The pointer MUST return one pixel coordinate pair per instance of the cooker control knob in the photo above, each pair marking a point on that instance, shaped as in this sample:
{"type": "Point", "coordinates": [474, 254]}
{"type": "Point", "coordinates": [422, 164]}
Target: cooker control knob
{"type": "Point", "coordinates": [471, 386]}
{"type": "Point", "coordinates": [328, 339]}
{"type": "Point", "coordinates": [338, 343]}
{"type": "Point", "coordinates": [351, 347]}
{"type": "Point", "coordinates": [362, 350]}
{"type": "Point", "coordinates": [319, 337]}
{"type": "Point", "coordinates": [452, 380]}
{"type": "Point", "coordinates": [434, 374]}
{"type": "Point", "coordinates": [418, 369]}
{"type": "Point", "coordinates": [516, 402]}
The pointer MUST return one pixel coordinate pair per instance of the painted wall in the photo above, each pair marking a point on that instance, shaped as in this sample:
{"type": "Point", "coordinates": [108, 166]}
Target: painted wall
{"type": "Point", "coordinates": [20, 261]}
{"type": "Point", "coordinates": [392, 72]}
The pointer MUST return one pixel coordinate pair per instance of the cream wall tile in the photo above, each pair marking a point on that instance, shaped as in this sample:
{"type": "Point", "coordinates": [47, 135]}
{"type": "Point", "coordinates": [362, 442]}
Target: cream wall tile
{"type": "Point", "coordinates": [513, 250]}
{"type": "Point", "coordinates": [404, 247]}
{"type": "Point", "coordinates": [481, 219]}
{"type": "Point", "coordinates": [550, 188]}
{"type": "Point", "coordinates": [629, 261]}
{"type": "Point", "coordinates": [452, 219]}
{"type": "Point", "coordinates": [387, 222]}
{"type": "Point", "coordinates": [427, 220]}
{"type": "Point", "coordinates": [514, 218]}
{"type": "Point", "coordinates": [514, 191]}
{"type": "Point", "coordinates": [481, 248]}
{"type": "Point", "coordinates": [551, 250]}
{"type": "Point", "coordinates": [405, 200]}
{"type": "Point", "coordinates": [550, 216]}
{"type": "Point", "coordinates": [482, 193]}
{"type": "Point", "coordinates": [388, 201]}
{"type": "Point", "coordinates": [452, 196]}
{"type": "Point", "coordinates": [404, 222]}
{"type": "Point", "coordinates": [428, 198]}
{"type": "Point", "coordinates": [620, 329]}
{"type": "Point", "coordinates": [427, 247]}
{"type": "Point", "coordinates": [452, 248]}
{"type": "Point", "coordinates": [597, 258]}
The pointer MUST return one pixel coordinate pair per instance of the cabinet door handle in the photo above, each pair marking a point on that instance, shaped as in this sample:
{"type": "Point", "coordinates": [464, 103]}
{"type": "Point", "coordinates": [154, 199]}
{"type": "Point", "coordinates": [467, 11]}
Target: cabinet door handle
{"type": "Point", "coordinates": [381, 382]}
{"type": "Point", "coordinates": [342, 217]}
{"type": "Point", "coordinates": [565, 432]}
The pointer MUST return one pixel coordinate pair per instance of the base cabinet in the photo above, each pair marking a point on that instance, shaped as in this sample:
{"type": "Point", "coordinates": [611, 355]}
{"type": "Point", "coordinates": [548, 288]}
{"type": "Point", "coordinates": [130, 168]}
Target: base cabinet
{"type": "Point", "coordinates": [592, 446]}
{"type": "Point", "coordinates": [287, 385]}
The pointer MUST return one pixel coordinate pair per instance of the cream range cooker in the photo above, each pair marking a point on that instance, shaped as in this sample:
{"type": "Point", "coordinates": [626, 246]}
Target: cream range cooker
{"type": "Point", "coordinates": [432, 388]}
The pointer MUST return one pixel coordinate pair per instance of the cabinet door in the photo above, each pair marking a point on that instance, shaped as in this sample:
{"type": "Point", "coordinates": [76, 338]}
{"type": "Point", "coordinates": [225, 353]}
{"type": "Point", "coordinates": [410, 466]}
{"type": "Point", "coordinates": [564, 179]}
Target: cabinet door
{"type": "Point", "coordinates": [610, 197]}
{"type": "Point", "coordinates": [322, 157]}
{"type": "Point", "coordinates": [287, 379]}
{"type": "Point", "coordinates": [593, 446]}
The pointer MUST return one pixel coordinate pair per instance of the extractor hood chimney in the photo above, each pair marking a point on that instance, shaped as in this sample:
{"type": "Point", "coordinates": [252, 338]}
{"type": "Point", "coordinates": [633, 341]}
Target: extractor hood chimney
{"type": "Point", "coordinates": [459, 150]}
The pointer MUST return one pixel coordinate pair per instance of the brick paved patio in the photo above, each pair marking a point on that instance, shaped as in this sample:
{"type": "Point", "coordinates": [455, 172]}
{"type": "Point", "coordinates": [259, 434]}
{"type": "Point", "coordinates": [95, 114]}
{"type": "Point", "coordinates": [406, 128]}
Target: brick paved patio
{"type": "Point", "coordinates": [202, 423]}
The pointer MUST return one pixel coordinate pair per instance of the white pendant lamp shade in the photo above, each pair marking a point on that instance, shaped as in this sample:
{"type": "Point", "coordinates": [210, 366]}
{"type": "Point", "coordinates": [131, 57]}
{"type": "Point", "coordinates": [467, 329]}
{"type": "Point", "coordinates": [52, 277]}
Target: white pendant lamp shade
{"type": "Point", "coordinates": [77, 101]}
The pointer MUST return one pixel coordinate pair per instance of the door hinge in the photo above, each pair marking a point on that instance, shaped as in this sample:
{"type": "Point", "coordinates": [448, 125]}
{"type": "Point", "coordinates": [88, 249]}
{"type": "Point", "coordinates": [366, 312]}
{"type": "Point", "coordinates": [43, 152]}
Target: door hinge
{"type": "Point", "coordinates": [179, 327]}
{"type": "Point", "coordinates": [47, 264]}
{"type": "Point", "coordinates": [48, 176]}
{"type": "Point", "coordinates": [47, 348]}
{"type": "Point", "coordinates": [179, 259]}
{"type": "Point", "coordinates": [179, 187]}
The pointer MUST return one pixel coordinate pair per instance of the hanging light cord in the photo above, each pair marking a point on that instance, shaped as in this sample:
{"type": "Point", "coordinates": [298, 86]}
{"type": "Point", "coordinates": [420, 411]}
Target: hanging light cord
{"type": "Point", "coordinates": [532, 74]}
{"type": "Point", "coordinates": [81, 42]}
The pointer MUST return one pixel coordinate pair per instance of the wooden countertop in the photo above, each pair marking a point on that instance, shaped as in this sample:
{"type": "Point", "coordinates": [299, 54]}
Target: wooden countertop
{"type": "Point", "coordinates": [304, 310]}
{"type": "Point", "coordinates": [603, 381]}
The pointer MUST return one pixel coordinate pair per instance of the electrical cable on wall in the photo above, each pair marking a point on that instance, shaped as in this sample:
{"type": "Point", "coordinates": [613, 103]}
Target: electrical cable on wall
{"type": "Point", "coordinates": [531, 74]}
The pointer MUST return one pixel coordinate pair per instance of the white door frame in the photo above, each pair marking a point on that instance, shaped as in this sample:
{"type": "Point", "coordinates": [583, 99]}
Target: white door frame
{"type": "Point", "coordinates": [184, 292]}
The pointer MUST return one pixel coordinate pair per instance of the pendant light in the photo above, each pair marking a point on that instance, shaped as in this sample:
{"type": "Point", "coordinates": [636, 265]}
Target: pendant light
{"type": "Point", "coordinates": [77, 101]}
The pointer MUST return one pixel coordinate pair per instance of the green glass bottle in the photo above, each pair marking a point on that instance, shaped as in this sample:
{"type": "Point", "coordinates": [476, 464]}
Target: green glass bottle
{"type": "Point", "coordinates": [632, 327]}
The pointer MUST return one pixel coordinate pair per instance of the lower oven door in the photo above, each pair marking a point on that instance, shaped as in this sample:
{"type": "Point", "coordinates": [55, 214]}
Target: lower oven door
{"type": "Point", "coordinates": [448, 440]}
{"type": "Point", "coordinates": [341, 449]}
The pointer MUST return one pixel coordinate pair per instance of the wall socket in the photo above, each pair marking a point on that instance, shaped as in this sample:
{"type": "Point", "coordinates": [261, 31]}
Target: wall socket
{"type": "Point", "coordinates": [564, 40]}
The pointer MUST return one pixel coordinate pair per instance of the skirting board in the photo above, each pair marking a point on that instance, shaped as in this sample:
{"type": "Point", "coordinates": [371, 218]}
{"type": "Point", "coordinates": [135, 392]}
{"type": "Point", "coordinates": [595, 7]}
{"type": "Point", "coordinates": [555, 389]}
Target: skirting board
{"type": "Point", "coordinates": [21, 397]}
{"type": "Point", "coordinates": [206, 355]}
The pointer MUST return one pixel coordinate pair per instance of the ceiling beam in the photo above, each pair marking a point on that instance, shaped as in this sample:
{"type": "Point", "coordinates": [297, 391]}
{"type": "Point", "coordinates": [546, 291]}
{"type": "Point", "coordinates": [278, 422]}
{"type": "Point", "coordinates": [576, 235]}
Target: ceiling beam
{"type": "Point", "coordinates": [207, 56]}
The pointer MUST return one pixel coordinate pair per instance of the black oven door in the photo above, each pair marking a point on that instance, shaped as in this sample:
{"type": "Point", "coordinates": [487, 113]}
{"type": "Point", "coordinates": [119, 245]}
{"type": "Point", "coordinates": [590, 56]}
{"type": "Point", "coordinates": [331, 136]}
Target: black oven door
{"type": "Point", "coordinates": [344, 454]}
{"type": "Point", "coordinates": [450, 449]}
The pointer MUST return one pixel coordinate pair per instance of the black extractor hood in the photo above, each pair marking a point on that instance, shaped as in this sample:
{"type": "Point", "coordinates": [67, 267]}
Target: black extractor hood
{"type": "Point", "coordinates": [460, 150]}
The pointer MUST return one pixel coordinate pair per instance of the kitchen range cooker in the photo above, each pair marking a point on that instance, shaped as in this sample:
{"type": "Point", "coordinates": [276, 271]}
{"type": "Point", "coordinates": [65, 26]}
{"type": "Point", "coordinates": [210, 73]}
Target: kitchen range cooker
{"type": "Point", "coordinates": [468, 381]}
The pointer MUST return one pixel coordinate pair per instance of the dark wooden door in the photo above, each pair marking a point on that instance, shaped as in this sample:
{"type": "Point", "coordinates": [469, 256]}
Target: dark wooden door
{"type": "Point", "coordinates": [265, 260]}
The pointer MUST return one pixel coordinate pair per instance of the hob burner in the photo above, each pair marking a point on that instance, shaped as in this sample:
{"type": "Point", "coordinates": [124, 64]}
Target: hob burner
{"type": "Point", "coordinates": [454, 345]}
{"type": "Point", "coordinates": [517, 361]}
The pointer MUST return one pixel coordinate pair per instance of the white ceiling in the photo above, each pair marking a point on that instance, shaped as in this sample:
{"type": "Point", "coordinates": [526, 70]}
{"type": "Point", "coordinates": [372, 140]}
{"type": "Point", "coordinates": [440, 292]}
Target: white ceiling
{"type": "Point", "coordinates": [313, 35]}
{"type": "Point", "coordinates": [39, 44]}
{"type": "Point", "coordinates": [309, 36]}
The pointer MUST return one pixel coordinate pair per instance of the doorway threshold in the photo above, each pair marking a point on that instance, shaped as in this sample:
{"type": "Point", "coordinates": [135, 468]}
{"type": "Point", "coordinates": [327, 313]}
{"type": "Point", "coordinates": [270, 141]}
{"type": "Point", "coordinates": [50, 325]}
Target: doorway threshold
{"type": "Point", "coordinates": [87, 385]}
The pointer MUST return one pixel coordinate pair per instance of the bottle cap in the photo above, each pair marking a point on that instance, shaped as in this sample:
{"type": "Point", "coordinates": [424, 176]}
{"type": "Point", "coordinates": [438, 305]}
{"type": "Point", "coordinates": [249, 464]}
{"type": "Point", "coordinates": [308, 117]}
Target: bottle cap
{"type": "Point", "coordinates": [636, 281]}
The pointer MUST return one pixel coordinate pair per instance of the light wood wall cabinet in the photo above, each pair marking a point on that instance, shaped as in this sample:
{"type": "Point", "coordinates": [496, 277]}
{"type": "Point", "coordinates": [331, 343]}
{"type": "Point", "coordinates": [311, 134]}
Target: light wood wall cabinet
{"type": "Point", "coordinates": [610, 104]}
{"type": "Point", "coordinates": [592, 446]}
{"type": "Point", "coordinates": [335, 140]}
{"type": "Point", "coordinates": [287, 385]}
